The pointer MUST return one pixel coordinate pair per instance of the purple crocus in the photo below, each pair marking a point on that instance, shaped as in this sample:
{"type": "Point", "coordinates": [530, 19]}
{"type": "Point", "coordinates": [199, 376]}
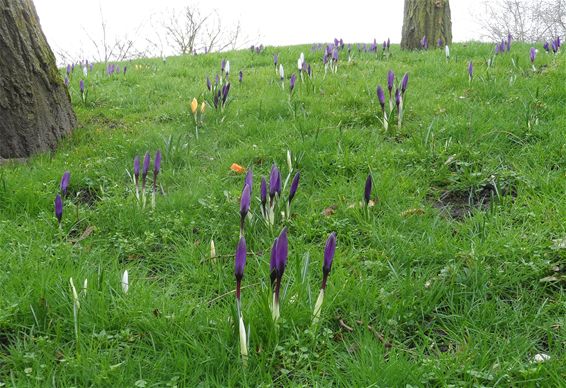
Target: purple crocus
{"type": "Point", "coordinates": [125, 69]}
{"type": "Point", "coordinates": [145, 169]}
{"type": "Point", "coordinates": [292, 82]}
{"type": "Point", "coordinates": [263, 196]}
{"type": "Point", "coordinates": [329, 251]}
{"type": "Point", "coordinates": [397, 98]}
{"type": "Point", "coordinates": [225, 91]}
{"type": "Point", "coordinates": [294, 186]}
{"type": "Point", "coordinates": [367, 190]}
{"type": "Point", "coordinates": [471, 70]}
{"type": "Point", "coordinates": [554, 47]}
{"type": "Point", "coordinates": [68, 69]}
{"type": "Point", "coordinates": [208, 84]}
{"type": "Point", "coordinates": [240, 76]}
{"type": "Point", "coordinates": [273, 177]}
{"type": "Point", "coordinates": [440, 43]}
{"type": "Point", "coordinates": [245, 201]}
{"type": "Point", "coordinates": [509, 38]}
{"type": "Point", "coordinates": [249, 179]}
{"type": "Point", "coordinates": [66, 81]}
{"type": "Point", "coordinates": [65, 179]}
{"type": "Point", "coordinates": [388, 43]}
{"type": "Point", "coordinates": [280, 261]}
{"type": "Point", "coordinates": [82, 86]}
{"type": "Point", "coordinates": [222, 65]}
{"type": "Point", "coordinates": [533, 54]}
{"type": "Point", "coordinates": [309, 70]}
{"type": "Point", "coordinates": [275, 60]}
{"type": "Point", "coordinates": [546, 47]}
{"type": "Point", "coordinates": [496, 48]}
{"type": "Point", "coordinates": [216, 99]}
{"type": "Point", "coordinates": [273, 265]}
{"type": "Point", "coordinates": [58, 208]}
{"type": "Point", "coordinates": [239, 264]}
{"type": "Point", "coordinates": [404, 83]}
{"type": "Point", "coordinates": [157, 163]}
{"type": "Point", "coordinates": [381, 97]}
{"type": "Point", "coordinates": [390, 79]}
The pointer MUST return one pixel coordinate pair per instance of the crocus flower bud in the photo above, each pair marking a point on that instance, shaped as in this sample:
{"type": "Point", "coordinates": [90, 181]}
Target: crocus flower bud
{"type": "Point", "coordinates": [146, 161]}
{"type": "Point", "coordinates": [136, 169]}
{"type": "Point", "coordinates": [397, 98]}
{"type": "Point", "coordinates": [281, 72]}
{"type": "Point", "coordinates": [447, 51]}
{"type": "Point", "coordinates": [273, 264]}
{"type": "Point", "coordinates": [390, 79]}
{"type": "Point", "coordinates": [58, 208]}
{"type": "Point", "coordinates": [65, 182]}
{"type": "Point", "coordinates": [240, 76]}
{"type": "Point", "coordinates": [157, 163]}
{"type": "Point", "coordinates": [82, 86]}
{"type": "Point", "coordinates": [294, 186]}
{"type": "Point", "coordinates": [329, 250]}
{"type": "Point", "coordinates": [292, 82]}
{"type": "Point", "coordinates": [194, 106]}
{"type": "Point", "coordinates": [202, 107]}
{"type": "Point", "coordinates": [367, 190]}
{"type": "Point", "coordinates": [381, 96]}
{"type": "Point", "coordinates": [533, 54]}
{"type": "Point", "coordinates": [240, 262]}
{"type": "Point", "coordinates": [471, 70]}
{"type": "Point", "coordinates": [404, 83]}
{"type": "Point", "coordinates": [208, 84]}
{"type": "Point", "coordinates": [245, 201]}
{"type": "Point", "coordinates": [263, 191]}
{"type": "Point", "coordinates": [227, 68]}
{"type": "Point", "coordinates": [125, 282]}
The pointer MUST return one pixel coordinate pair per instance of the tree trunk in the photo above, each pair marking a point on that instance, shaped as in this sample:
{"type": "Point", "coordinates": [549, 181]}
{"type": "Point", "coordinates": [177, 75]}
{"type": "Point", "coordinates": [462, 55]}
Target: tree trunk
{"type": "Point", "coordinates": [426, 18]}
{"type": "Point", "coordinates": [35, 108]}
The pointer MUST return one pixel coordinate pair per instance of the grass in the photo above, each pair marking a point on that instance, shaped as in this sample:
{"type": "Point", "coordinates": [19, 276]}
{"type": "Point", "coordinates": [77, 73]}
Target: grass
{"type": "Point", "coordinates": [440, 284]}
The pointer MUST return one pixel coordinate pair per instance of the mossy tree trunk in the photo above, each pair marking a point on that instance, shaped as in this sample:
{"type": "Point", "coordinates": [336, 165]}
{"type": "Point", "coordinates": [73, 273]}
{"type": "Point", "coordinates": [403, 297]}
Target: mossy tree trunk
{"type": "Point", "coordinates": [430, 18]}
{"type": "Point", "coordinates": [35, 108]}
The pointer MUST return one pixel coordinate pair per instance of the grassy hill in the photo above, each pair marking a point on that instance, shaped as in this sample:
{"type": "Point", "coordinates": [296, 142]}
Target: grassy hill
{"type": "Point", "coordinates": [455, 276]}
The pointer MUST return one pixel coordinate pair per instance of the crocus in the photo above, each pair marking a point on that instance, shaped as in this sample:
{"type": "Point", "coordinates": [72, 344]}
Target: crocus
{"type": "Point", "coordinates": [194, 106]}
{"type": "Point", "coordinates": [156, 168]}
{"type": "Point", "coordinates": [125, 69]}
{"type": "Point", "coordinates": [274, 184]}
{"type": "Point", "coordinates": [245, 201]}
{"type": "Point", "coordinates": [388, 43]}
{"type": "Point", "coordinates": [82, 86]}
{"type": "Point", "coordinates": [381, 97]}
{"type": "Point", "coordinates": [125, 282]}
{"type": "Point", "coordinates": [397, 98]}
{"type": "Point", "coordinates": [293, 191]}
{"type": "Point", "coordinates": [67, 81]}
{"type": "Point", "coordinates": [281, 72]}
{"type": "Point", "coordinates": [227, 68]}
{"type": "Point", "coordinates": [367, 190]}
{"type": "Point", "coordinates": [68, 69]}
{"type": "Point", "coordinates": [281, 253]}
{"type": "Point", "coordinates": [509, 38]}
{"type": "Point", "coordinates": [240, 262]}
{"type": "Point", "coordinates": [533, 54]}
{"type": "Point", "coordinates": [546, 47]}
{"type": "Point", "coordinates": [440, 43]}
{"type": "Point", "coordinates": [222, 65]}
{"type": "Point", "coordinates": [58, 208]}
{"type": "Point", "coordinates": [390, 79]}
{"type": "Point", "coordinates": [275, 60]}
{"type": "Point", "coordinates": [404, 83]}
{"type": "Point", "coordinates": [240, 76]}
{"type": "Point", "coordinates": [273, 265]}
{"type": "Point", "coordinates": [65, 179]}
{"type": "Point", "coordinates": [292, 82]}
{"type": "Point", "coordinates": [137, 175]}
{"type": "Point", "coordinates": [208, 84]}
{"type": "Point", "coordinates": [329, 250]}
{"type": "Point", "coordinates": [263, 196]}
{"type": "Point", "coordinates": [471, 70]}
{"type": "Point", "coordinates": [225, 91]}
{"type": "Point", "coordinates": [145, 170]}
{"type": "Point", "coordinates": [447, 52]}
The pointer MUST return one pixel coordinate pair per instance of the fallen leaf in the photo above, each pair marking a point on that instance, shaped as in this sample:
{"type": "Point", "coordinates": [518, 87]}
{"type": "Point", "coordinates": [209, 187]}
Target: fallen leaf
{"type": "Point", "coordinates": [329, 211]}
{"type": "Point", "coordinates": [237, 168]}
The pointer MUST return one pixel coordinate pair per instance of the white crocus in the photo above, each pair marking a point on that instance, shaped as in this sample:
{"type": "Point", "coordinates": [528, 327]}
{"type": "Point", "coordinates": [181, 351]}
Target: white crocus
{"type": "Point", "coordinates": [281, 72]}
{"type": "Point", "coordinates": [227, 67]}
{"type": "Point", "coordinates": [447, 50]}
{"type": "Point", "coordinates": [299, 64]}
{"type": "Point", "coordinates": [212, 250]}
{"type": "Point", "coordinates": [289, 161]}
{"type": "Point", "coordinates": [318, 307]}
{"type": "Point", "coordinates": [125, 281]}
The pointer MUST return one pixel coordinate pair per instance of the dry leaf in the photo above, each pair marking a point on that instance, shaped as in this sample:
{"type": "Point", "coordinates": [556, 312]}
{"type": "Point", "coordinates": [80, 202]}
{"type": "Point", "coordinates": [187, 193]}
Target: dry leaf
{"type": "Point", "coordinates": [329, 211]}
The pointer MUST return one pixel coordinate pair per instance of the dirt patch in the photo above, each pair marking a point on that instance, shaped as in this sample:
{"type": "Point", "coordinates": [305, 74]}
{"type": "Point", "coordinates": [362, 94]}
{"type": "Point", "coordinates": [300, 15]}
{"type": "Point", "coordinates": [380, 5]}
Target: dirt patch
{"type": "Point", "coordinates": [459, 204]}
{"type": "Point", "coordinates": [85, 195]}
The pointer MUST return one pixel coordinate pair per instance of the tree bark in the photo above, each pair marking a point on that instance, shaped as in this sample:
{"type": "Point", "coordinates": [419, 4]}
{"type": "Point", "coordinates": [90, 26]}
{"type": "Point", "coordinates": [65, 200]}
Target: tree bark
{"type": "Point", "coordinates": [35, 107]}
{"type": "Point", "coordinates": [430, 18]}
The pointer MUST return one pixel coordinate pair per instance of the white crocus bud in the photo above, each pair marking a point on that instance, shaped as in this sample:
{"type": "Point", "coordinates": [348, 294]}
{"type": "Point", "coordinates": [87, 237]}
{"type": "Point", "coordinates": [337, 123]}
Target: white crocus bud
{"type": "Point", "coordinates": [227, 67]}
{"type": "Point", "coordinates": [212, 249]}
{"type": "Point", "coordinates": [289, 161]}
{"type": "Point", "coordinates": [243, 341]}
{"type": "Point", "coordinates": [281, 72]}
{"type": "Point", "coordinates": [75, 294]}
{"type": "Point", "coordinates": [447, 50]}
{"type": "Point", "coordinates": [318, 307]}
{"type": "Point", "coordinates": [125, 281]}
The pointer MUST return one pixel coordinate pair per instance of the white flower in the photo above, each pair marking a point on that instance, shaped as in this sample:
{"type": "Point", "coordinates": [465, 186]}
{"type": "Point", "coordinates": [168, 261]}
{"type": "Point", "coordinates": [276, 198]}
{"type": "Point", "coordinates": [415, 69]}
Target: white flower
{"type": "Point", "coordinates": [281, 71]}
{"type": "Point", "coordinates": [212, 249]}
{"type": "Point", "coordinates": [299, 64]}
{"type": "Point", "coordinates": [447, 50]}
{"type": "Point", "coordinates": [227, 67]}
{"type": "Point", "coordinates": [75, 295]}
{"type": "Point", "coordinates": [289, 161]}
{"type": "Point", "coordinates": [541, 357]}
{"type": "Point", "coordinates": [125, 282]}
{"type": "Point", "coordinates": [85, 71]}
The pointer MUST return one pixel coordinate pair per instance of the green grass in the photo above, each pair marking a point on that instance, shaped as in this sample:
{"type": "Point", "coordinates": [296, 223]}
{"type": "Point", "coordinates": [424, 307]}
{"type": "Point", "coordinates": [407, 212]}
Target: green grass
{"type": "Point", "coordinates": [429, 299]}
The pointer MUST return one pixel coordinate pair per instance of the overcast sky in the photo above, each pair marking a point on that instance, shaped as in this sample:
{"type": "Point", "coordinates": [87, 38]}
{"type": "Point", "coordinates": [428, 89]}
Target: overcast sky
{"type": "Point", "coordinates": [68, 23]}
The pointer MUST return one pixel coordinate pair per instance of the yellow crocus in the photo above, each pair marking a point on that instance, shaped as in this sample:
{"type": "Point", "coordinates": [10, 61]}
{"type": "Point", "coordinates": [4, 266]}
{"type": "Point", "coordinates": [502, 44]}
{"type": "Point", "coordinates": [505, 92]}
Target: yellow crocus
{"type": "Point", "coordinates": [194, 105]}
{"type": "Point", "coordinates": [202, 107]}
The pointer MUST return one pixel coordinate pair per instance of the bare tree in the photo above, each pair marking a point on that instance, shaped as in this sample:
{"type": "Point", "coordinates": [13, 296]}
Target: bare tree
{"type": "Point", "coordinates": [525, 20]}
{"type": "Point", "coordinates": [183, 31]}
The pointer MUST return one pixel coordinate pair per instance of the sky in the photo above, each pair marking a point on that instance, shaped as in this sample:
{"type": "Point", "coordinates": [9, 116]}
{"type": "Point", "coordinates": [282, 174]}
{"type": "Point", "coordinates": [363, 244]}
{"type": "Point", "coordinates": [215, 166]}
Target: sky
{"type": "Point", "coordinates": [71, 25]}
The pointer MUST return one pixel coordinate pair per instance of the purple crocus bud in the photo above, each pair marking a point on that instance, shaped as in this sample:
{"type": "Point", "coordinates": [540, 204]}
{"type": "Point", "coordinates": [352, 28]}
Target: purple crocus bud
{"type": "Point", "coordinates": [278, 183]}
{"type": "Point", "coordinates": [282, 251]}
{"type": "Point", "coordinates": [325, 59]}
{"type": "Point", "coordinates": [335, 55]}
{"type": "Point", "coordinates": [65, 182]}
{"type": "Point", "coordinates": [263, 191]}
{"type": "Point", "coordinates": [367, 190]}
{"type": "Point", "coordinates": [225, 91]}
{"type": "Point", "coordinates": [388, 43]}
{"type": "Point", "coordinates": [384, 45]}
{"type": "Point", "coordinates": [309, 70]}
{"type": "Point", "coordinates": [546, 47]}
{"type": "Point", "coordinates": [471, 70]}
{"type": "Point", "coordinates": [275, 59]}
{"type": "Point", "coordinates": [72, 67]}
{"type": "Point", "coordinates": [216, 80]}
{"type": "Point", "coordinates": [66, 81]}
{"type": "Point", "coordinates": [390, 79]}
{"type": "Point", "coordinates": [329, 251]}
{"type": "Point", "coordinates": [156, 163]}
{"type": "Point", "coordinates": [273, 263]}
{"type": "Point", "coordinates": [222, 65]}
{"type": "Point", "coordinates": [249, 179]}
{"type": "Point", "coordinates": [440, 43]}
{"type": "Point", "coordinates": [397, 98]}
{"type": "Point", "coordinates": [68, 69]}
{"type": "Point", "coordinates": [145, 169]}
{"type": "Point", "coordinates": [58, 208]}
{"type": "Point", "coordinates": [273, 181]}
{"type": "Point", "coordinates": [381, 96]}
{"type": "Point", "coordinates": [558, 42]}
{"type": "Point", "coordinates": [239, 264]}
{"type": "Point", "coordinates": [554, 47]}
{"type": "Point", "coordinates": [304, 67]}
{"type": "Point", "coordinates": [91, 66]}
{"type": "Point", "coordinates": [496, 48]}
{"type": "Point", "coordinates": [294, 186]}
{"type": "Point", "coordinates": [240, 76]}
{"type": "Point", "coordinates": [137, 169]}
{"type": "Point", "coordinates": [404, 83]}
{"type": "Point", "coordinates": [125, 69]}
{"type": "Point", "coordinates": [292, 82]}
{"type": "Point", "coordinates": [208, 83]}
{"type": "Point", "coordinates": [216, 99]}
{"type": "Point", "coordinates": [118, 69]}
{"type": "Point", "coordinates": [245, 201]}
{"type": "Point", "coordinates": [82, 86]}
{"type": "Point", "coordinates": [533, 54]}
